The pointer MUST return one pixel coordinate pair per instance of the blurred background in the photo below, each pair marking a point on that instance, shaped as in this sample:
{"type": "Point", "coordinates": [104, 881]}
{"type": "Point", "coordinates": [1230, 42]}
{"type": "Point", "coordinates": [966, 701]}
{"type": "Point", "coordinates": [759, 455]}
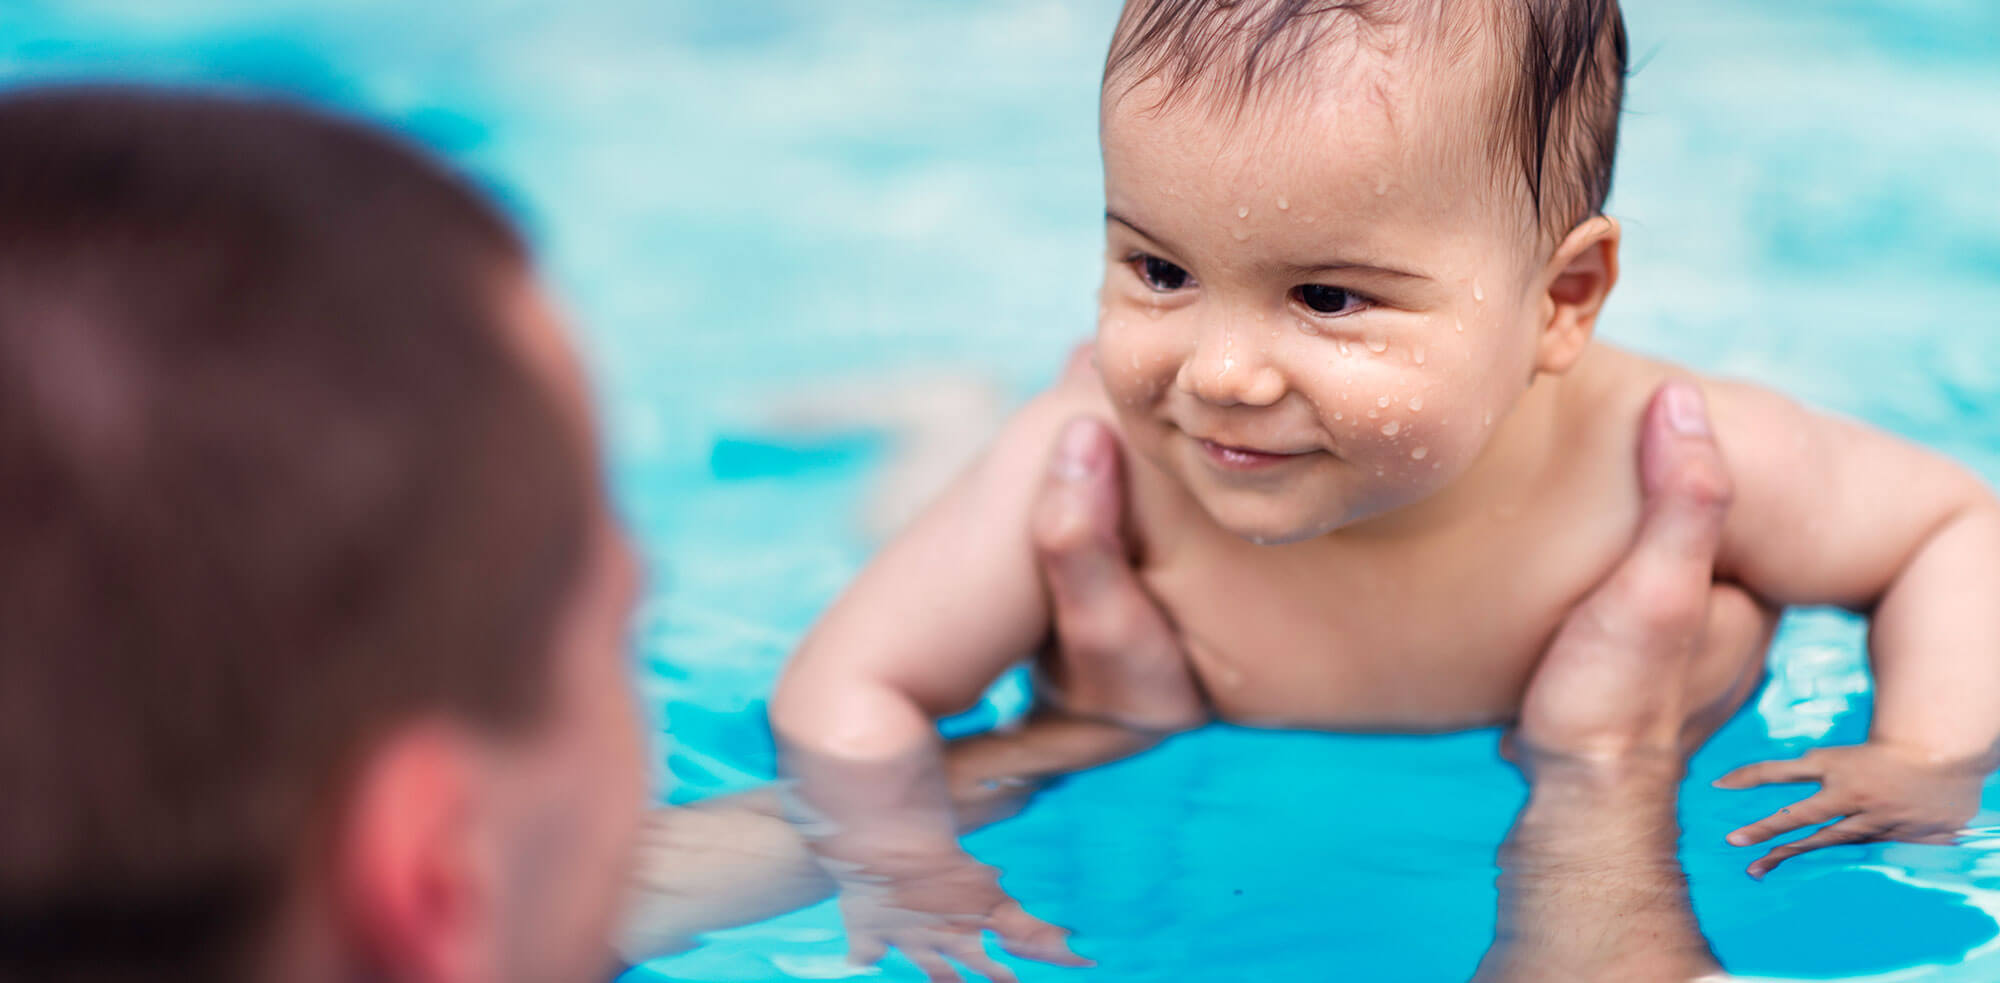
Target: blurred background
{"type": "Point", "coordinates": [793, 233]}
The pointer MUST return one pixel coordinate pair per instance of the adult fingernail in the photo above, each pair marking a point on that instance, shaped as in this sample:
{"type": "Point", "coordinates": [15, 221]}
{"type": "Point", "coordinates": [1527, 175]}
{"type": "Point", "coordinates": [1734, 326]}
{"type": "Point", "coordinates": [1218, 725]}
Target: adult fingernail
{"type": "Point", "coordinates": [1685, 412]}
{"type": "Point", "coordinates": [1073, 460]}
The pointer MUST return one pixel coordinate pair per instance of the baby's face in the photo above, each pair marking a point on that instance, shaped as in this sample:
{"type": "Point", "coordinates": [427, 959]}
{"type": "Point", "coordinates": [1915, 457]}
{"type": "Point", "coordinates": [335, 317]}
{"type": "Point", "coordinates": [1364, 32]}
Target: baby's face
{"type": "Point", "coordinates": [1312, 315]}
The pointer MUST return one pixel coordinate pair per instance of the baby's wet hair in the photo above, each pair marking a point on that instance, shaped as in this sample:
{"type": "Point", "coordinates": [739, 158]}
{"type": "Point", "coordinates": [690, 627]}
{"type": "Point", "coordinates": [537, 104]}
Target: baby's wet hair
{"type": "Point", "coordinates": [1558, 101]}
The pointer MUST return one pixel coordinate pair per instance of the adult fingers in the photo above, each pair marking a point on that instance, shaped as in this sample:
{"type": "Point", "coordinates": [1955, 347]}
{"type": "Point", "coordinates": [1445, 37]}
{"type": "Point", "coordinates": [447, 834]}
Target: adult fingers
{"type": "Point", "coordinates": [1805, 768]}
{"type": "Point", "coordinates": [1658, 595]}
{"type": "Point", "coordinates": [1809, 811]}
{"type": "Point", "coordinates": [1842, 833]}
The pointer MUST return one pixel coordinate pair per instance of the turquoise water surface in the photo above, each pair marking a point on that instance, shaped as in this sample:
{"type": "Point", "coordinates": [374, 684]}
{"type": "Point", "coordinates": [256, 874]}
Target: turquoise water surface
{"type": "Point", "coordinates": [745, 201]}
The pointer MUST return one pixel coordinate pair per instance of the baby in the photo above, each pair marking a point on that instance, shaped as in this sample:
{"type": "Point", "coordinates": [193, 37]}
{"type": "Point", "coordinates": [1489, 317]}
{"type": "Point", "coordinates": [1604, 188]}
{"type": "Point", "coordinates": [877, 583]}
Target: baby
{"type": "Point", "coordinates": [1355, 257]}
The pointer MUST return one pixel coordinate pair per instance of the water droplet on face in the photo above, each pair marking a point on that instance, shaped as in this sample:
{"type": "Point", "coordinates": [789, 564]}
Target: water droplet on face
{"type": "Point", "coordinates": [1478, 292]}
{"type": "Point", "coordinates": [1376, 343]}
{"type": "Point", "coordinates": [1243, 211]}
{"type": "Point", "coordinates": [1309, 328]}
{"type": "Point", "coordinates": [1241, 236]}
{"type": "Point", "coordinates": [1283, 203]}
{"type": "Point", "coordinates": [1417, 354]}
{"type": "Point", "coordinates": [1382, 401]}
{"type": "Point", "coordinates": [1382, 185]}
{"type": "Point", "coordinates": [1374, 414]}
{"type": "Point", "coordinates": [1416, 404]}
{"type": "Point", "coordinates": [1458, 325]}
{"type": "Point", "coordinates": [1337, 415]}
{"type": "Point", "coordinates": [1489, 418]}
{"type": "Point", "coordinates": [1420, 453]}
{"type": "Point", "coordinates": [1345, 349]}
{"type": "Point", "coordinates": [1391, 428]}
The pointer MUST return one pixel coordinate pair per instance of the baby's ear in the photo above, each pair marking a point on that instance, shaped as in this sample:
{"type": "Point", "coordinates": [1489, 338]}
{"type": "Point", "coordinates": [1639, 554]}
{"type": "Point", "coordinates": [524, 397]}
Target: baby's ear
{"type": "Point", "coordinates": [1579, 276]}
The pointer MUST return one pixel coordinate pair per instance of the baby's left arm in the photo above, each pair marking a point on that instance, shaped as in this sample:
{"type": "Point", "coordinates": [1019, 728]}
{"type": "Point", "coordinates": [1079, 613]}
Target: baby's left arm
{"type": "Point", "coordinates": [1832, 512]}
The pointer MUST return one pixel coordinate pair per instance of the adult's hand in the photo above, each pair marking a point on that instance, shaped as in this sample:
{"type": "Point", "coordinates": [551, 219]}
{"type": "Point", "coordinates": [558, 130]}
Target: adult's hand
{"type": "Point", "coordinates": [1659, 655]}
{"type": "Point", "coordinates": [1644, 669]}
{"type": "Point", "coordinates": [1116, 657]}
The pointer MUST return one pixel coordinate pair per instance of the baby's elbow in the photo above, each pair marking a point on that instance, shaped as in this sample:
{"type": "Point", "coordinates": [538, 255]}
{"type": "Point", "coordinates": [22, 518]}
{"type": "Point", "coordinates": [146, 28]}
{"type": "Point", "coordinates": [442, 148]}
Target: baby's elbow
{"type": "Point", "coordinates": [816, 709]}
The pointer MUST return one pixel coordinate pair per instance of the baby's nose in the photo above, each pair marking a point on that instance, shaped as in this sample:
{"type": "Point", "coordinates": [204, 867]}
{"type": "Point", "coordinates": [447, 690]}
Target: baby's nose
{"type": "Point", "coordinates": [1225, 373]}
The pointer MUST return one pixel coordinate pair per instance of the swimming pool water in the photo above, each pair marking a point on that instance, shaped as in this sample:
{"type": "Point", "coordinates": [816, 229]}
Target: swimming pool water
{"type": "Point", "coordinates": [742, 201]}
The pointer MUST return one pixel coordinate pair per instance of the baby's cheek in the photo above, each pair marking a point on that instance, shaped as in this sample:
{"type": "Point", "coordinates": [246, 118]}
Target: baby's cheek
{"type": "Point", "coordinates": [1135, 366]}
{"type": "Point", "coordinates": [1415, 434]}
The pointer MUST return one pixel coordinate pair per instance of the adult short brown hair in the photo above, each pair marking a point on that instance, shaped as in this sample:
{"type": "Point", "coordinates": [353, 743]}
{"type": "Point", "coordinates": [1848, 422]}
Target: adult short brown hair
{"type": "Point", "coordinates": [273, 479]}
{"type": "Point", "coordinates": [1559, 98]}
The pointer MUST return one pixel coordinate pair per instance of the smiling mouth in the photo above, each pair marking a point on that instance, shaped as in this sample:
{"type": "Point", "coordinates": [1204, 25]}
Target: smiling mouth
{"type": "Point", "coordinates": [1246, 458]}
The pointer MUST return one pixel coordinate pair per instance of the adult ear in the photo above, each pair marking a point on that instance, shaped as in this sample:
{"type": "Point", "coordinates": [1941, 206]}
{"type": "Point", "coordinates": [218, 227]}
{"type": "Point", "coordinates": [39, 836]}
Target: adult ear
{"type": "Point", "coordinates": [1579, 276]}
{"type": "Point", "coordinates": [414, 867]}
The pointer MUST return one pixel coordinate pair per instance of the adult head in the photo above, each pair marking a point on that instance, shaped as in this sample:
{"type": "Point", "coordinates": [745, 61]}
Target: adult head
{"type": "Point", "coordinates": [311, 605]}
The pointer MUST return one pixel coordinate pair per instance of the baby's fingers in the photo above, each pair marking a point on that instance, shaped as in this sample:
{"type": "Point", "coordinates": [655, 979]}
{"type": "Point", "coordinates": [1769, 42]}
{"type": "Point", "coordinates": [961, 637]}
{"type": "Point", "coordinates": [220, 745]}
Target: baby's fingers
{"type": "Point", "coordinates": [971, 953]}
{"type": "Point", "coordinates": [1029, 937]}
{"type": "Point", "coordinates": [1805, 769]}
{"type": "Point", "coordinates": [865, 950]}
{"type": "Point", "coordinates": [934, 965]}
{"type": "Point", "coordinates": [1810, 811]}
{"type": "Point", "coordinates": [1843, 833]}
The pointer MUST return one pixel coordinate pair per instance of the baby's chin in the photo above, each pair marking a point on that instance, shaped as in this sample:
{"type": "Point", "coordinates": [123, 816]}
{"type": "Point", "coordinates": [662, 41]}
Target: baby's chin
{"type": "Point", "coordinates": [1265, 524]}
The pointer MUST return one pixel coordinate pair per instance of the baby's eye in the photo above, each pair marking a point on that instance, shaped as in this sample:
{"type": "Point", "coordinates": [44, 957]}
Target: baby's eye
{"type": "Point", "coordinates": [1159, 274]}
{"type": "Point", "coordinates": [1327, 300]}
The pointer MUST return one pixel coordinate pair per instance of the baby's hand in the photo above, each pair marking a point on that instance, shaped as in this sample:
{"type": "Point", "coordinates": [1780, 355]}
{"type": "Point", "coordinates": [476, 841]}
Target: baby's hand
{"type": "Point", "coordinates": [935, 907]}
{"type": "Point", "coordinates": [1877, 792]}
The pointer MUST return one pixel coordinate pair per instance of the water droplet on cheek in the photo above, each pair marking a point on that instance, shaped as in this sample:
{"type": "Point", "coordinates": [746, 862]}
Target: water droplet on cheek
{"type": "Point", "coordinates": [1377, 344]}
{"type": "Point", "coordinates": [1374, 414]}
{"type": "Point", "coordinates": [1241, 236]}
{"type": "Point", "coordinates": [1337, 416]}
{"type": "Point", "coordinates": [1243, 211]}
{"type": "Point", "coordinates": [1382, 186]}
{"type": "Point", "coordinates": [1458, 325]}
{"type": "Point", "coordinates": [1489, 418]}
{"type": "Point", "coordinates": [1420, 453]}
{"type": "Point", "coordinates": [1283, 204]}
{"type": "Point", "coordinates": [1391, 428]}
{"type": "Point", "coordinates": [1309, 328]}
{"type": "Point", "coordinates": [1418, 355]}
{"type": "Point", "coordinates": [1416, 404]}
{"type": "Point", "coordinates": [1478, 292]}
{"type": "Point", "coordinates": [1382, 401]}
{"type": "Point", "coordinates": [1345, 348]}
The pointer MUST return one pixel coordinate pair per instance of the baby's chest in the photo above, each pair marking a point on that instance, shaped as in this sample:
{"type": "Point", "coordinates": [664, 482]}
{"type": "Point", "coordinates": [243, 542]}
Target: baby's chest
{"type": "Point", "coordinates": [1401, 647]}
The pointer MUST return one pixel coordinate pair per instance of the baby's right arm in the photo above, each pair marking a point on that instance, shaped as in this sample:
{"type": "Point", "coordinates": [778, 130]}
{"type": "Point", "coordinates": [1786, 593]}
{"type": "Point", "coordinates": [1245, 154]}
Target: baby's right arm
{"type": "Point", "coordinates": [927, 626]}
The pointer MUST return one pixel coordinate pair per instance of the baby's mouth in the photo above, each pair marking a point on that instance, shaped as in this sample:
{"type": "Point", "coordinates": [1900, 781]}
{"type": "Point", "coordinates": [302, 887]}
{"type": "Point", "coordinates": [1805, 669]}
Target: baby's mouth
{"type": "Point", "coordinates": [1235, 458]}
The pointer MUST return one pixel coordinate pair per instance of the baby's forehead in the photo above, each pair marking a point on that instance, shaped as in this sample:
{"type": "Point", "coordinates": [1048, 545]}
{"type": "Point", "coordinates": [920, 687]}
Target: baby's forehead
{"type": "Point", "coordinates": [1423, 82]}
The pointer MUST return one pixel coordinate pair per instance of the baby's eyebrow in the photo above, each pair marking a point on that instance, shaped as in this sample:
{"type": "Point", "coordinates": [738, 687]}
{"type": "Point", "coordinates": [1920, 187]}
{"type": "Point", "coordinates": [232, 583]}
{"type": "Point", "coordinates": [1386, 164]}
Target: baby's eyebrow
{"type": "Point", "coordinates": [1346, 266]}
{"type": "Point", "coordinates": [1291, 269]}
{"type": "Point", "coordinates": [1111, 216]}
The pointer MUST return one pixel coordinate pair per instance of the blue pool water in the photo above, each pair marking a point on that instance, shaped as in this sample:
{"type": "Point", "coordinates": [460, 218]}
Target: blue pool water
{"type": "Point", "coordinates": [741, 201]}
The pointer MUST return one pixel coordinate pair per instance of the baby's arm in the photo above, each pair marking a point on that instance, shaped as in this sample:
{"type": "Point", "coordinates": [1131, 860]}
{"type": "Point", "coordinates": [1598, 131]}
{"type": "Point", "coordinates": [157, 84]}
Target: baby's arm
{"type": "Point", "coordinates": [937, 615]}
{"type": "Point", "coordinates": [1832, 512]}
